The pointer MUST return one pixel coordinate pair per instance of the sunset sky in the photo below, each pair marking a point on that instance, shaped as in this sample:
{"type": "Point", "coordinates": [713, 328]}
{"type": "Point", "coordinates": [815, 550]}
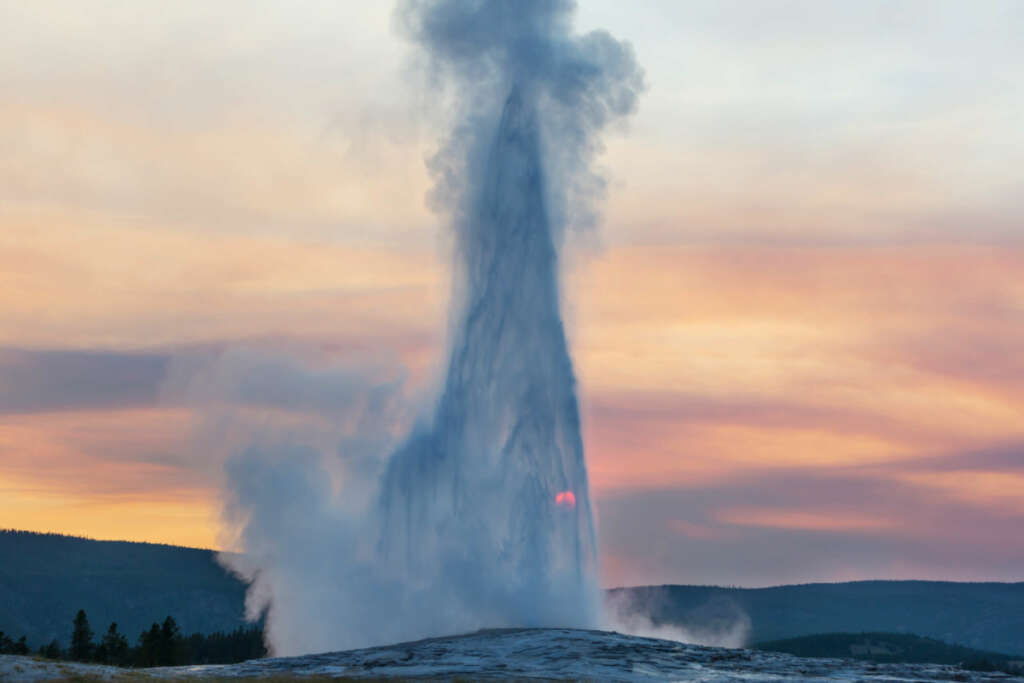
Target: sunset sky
{"type": "Point", "coordinates": [798, 327]}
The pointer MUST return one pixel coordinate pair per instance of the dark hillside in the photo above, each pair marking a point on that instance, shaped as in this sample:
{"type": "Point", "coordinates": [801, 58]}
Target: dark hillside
{"type": "Point", "coordinates": [46, 578]}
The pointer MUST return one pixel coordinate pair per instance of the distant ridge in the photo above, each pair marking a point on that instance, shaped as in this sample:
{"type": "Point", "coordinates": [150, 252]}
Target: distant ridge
{"type": "Point", "coordinates": [77, 537]}
{"type": "Point", "coordinates": [46, 578]}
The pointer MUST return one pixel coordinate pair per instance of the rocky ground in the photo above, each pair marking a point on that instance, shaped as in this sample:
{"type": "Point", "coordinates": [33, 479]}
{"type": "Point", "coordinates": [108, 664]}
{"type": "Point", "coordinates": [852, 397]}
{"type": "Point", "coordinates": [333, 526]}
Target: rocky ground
{"type": "Point", "coordinates": [551, 654]}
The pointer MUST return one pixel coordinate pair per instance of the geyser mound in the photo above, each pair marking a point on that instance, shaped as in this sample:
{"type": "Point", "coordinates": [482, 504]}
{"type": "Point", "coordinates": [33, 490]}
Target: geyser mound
{"type": "Point", "coordinates": [476, 497]}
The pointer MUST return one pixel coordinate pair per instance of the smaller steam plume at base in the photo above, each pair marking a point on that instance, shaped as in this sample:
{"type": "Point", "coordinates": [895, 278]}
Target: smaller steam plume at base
{"type": "Point", "coordinates": [719, 622]}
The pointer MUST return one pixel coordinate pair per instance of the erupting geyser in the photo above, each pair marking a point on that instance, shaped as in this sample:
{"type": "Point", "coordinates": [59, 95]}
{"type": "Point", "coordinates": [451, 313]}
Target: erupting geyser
{"type": "Point", "coordinates": [490, 498]}
{"type": "Point", "coordinates": [472, 495]}
{"type": "Point", "coordinates": [482, 518]}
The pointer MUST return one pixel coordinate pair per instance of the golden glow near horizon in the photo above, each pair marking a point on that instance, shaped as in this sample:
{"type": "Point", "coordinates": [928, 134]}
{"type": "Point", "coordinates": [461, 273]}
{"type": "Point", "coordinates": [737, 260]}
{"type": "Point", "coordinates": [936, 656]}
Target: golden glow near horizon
{"type": "Point", "coordinates": [797, 337]}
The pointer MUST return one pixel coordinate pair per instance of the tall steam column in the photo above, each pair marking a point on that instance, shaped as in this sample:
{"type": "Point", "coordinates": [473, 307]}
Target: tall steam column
{"type": "Point", "coordinates": [494, 493]}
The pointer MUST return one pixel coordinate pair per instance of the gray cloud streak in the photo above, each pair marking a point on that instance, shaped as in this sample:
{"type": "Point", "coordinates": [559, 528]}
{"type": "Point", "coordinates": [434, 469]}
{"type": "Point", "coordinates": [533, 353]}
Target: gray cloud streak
{"type": "Point", "coordinates": [34, 381]}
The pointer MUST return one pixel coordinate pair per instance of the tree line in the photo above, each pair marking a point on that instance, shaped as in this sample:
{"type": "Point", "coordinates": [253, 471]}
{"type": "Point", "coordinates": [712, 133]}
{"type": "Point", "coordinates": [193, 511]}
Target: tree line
{"type": "Point", "coordinates": [160, 645]}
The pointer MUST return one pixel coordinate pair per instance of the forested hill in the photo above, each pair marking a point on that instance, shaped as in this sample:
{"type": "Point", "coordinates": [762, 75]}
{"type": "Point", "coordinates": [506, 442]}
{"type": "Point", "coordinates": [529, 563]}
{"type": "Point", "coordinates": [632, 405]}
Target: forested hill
{"type": "Point", "coordinates": [984, 616]}
{"type": "Point", "coordinates": [46, 578]}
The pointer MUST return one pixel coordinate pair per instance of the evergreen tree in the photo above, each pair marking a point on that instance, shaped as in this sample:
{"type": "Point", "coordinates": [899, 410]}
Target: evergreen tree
{"type": "Point", "coordinates": [160, 645]}
{"type": "Point", "coordinates": [149, 641]}
{"type": "Point", "coordinates": [81, 638]}
{"type": "Point", "coordinates": [51, 651]}
{"type": "Point", "coordinates": [114, 646]}
{"type": "Point", "coordinates": [10, 647]}
{"type": "Point", "coordinates": [170, 643]}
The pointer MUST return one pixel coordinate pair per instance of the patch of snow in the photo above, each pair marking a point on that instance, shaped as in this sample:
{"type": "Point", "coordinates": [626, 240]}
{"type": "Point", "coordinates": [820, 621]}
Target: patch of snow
{"type": "Point", "coordinates": [20, 669]}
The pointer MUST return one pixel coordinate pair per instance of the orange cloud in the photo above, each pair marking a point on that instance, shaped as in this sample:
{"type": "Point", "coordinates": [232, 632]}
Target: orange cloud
{"type": "Point", "coordinates": [697, 359]}
{"type": "Point", "coordinates": [72, 282]}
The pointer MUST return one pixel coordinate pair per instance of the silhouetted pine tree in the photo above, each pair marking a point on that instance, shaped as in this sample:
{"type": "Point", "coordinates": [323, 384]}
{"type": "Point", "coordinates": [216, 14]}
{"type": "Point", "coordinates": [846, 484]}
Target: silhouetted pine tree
{"type": "Point", "coordinates": [149, 642]}
{"type": "Point", "coordinates": [51, 651]}
{"type": "Point", "coordinates": [169, 645]}
{"type": "Point", "coordinates": [159, 645]}
{"type": "Point", "coordinates": [10, 647]}
{"type": "Point", "coordinates": [81, 638]}
{"type": "Point", "coordinates": [113, 648]}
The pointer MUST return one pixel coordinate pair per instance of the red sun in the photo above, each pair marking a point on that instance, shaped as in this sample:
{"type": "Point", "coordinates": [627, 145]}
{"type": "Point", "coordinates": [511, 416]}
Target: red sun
{"type": "Point", "coordinates": [565, 499]}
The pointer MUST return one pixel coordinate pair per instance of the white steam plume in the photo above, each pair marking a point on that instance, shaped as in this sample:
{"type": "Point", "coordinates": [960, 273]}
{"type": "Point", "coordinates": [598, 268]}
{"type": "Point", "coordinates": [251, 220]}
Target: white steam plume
{"type": "Point", "coordinates": [482, 517]}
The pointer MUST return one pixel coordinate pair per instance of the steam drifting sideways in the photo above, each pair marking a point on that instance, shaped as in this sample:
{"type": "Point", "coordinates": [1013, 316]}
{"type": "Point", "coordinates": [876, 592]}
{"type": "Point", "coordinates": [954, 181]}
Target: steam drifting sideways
{"type": "Point", "coordinates": [482, 517]}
